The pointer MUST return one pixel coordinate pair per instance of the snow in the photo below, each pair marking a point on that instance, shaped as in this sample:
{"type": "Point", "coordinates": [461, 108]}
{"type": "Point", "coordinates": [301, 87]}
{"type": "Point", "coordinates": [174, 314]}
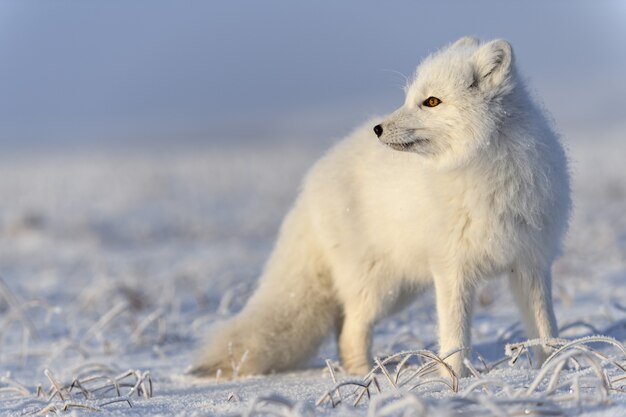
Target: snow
{"type": "Point", "coordinates": [122, 261]}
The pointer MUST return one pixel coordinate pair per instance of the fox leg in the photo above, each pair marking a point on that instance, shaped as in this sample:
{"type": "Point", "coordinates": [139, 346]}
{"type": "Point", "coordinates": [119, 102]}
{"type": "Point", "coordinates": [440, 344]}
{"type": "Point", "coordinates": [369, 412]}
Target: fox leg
{"type": "Point", "coordinates": [455, 298]}
{"type": "Point", "coordinates": [532, 292]}
{"type": "Point", "coordinates": [355, 339]}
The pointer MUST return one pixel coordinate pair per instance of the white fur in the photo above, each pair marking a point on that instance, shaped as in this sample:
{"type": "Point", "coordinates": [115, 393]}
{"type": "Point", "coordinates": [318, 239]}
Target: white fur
{"type": "Point", "coordinates": [483, 192]}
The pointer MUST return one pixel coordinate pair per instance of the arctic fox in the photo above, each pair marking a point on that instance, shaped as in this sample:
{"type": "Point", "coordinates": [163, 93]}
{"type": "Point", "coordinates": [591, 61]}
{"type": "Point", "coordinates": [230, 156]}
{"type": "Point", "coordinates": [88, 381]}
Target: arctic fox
{"type": "Point", "coordinates": [465, 181]}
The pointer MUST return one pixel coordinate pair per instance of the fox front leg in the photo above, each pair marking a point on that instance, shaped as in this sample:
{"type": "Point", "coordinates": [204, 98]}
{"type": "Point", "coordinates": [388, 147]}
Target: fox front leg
{"type": "Point", "coordinates": [355, 339]}
{"type": "Point", "coordinates": [455, 299]}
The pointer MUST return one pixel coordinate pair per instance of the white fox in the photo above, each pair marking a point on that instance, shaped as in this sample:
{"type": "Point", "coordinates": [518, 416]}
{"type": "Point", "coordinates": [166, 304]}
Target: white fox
{"type": "Point", "coordinates": [466, 181]}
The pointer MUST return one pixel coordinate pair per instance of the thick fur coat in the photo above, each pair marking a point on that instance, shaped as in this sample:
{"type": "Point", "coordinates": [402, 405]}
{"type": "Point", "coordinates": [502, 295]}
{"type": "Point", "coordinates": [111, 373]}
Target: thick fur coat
{"type": "Point", "coordinates": [466, 181]}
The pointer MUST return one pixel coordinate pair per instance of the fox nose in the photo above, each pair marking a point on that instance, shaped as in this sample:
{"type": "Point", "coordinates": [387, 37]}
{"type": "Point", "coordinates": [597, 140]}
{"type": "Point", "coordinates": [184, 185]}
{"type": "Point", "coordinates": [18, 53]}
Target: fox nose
{"type": "Point", "coordinates": [378, 129]}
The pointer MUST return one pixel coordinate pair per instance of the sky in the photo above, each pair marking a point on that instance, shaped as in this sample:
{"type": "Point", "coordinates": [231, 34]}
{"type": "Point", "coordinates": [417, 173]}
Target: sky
{"type": "Point", "coordinates": [103, 74]}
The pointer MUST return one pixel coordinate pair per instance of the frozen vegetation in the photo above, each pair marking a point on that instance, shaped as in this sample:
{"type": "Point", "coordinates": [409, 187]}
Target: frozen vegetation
{"type": "Point", "coordinates": [115, 266]}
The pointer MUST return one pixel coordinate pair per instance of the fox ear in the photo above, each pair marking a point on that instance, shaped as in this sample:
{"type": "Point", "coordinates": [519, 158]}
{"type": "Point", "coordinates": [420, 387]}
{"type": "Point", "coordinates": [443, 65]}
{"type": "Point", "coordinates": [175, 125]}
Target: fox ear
{"type": "Point", "coordinates": [494, 61]}
{"type": "Point", "coordinates": [466, 41]}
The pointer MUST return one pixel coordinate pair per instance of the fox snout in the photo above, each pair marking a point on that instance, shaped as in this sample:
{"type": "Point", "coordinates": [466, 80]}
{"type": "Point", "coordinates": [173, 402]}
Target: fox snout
{"type": "Point", "coordinates": [378, 129]}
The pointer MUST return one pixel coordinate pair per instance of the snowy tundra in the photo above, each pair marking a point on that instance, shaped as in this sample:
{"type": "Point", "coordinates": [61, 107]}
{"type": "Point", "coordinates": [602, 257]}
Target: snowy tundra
{"type": "Point", "coordinates": [466, 181]}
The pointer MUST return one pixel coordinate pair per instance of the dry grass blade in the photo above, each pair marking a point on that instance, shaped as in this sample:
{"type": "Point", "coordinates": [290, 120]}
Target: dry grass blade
{"type": "Point", "coordinates": [386, 373]}
{"type": "Point", "coordinates": [118, 400]}
{"type": "Point", "coordinates": [13, 390]}
{"type": "Point", "coordinates": [364, 390]}
{"type": "Point", "coordinates": [141, 327]}
{"type": "Point", "coordinates": [105, 320]}
{"type": "Point", "coordinates": [513, 350]}
{"type": "Point", "coordinates": [234, 363]}
{"type": "Point", "coordinates": [400, 368]}
{"type": "Point", "coordinates": [76, 383]}
{"type": "Point", "coordinates": [329, 365]}
{"type": "Point", "coordinates": [336, 389]}
{"type": "Point", "coordinates": [140, 385]}
{"type": "Point", "coordinates": [16, 306]}
{"type": "Point", "coordinates": [323, 398]}
{"type": "Point", "coordinates": [471, 368]}
{"type": "Point", "coordinates": [16, 314]}
{"type": "Point", "coordinates": [13, 387]}
{"type": "Point", "coordinates": [585, 340]}
{"type": "Point", "coordinates": [58, 388]}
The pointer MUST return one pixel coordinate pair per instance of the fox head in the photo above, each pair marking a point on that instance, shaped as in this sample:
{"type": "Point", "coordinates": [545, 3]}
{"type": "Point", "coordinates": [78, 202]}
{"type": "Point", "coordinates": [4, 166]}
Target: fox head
{"type": "Point", "coordinates": [455, 102]}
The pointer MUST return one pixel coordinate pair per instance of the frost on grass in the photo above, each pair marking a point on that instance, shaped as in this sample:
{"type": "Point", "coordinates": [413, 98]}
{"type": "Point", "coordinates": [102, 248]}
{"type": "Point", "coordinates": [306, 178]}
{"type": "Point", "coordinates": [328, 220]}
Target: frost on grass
{"type": "Point", "coordinates": [577, 375]}
{"type": "Point", "coordinates": [392, 384]}
{"type": "Point", "coordinates": [94, 388]}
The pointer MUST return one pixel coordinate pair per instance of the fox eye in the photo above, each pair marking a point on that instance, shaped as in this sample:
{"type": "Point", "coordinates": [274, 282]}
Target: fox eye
{"type": "Point", "coordinates": [432, 102]}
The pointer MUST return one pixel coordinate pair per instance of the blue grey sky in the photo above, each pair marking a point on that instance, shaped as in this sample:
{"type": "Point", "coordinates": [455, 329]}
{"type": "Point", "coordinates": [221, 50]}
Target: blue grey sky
{"type": "Point", "coordinates": [107, 73]}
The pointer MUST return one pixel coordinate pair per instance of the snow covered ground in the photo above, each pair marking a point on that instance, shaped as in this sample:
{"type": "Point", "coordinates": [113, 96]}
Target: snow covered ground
{"type": "Point", "coordinates": [118, 262]}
